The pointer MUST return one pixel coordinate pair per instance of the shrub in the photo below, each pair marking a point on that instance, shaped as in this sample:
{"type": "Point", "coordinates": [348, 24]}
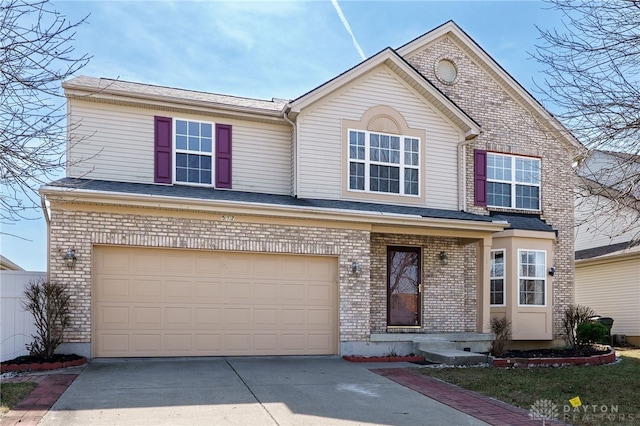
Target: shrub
{"type": "Point", "coordinates": [590, 332]}
{"type": "Point", "coordinates": [49, 304]}
{"type": "Point", "coordinates": [501, 327]}
{"type": "Point", "coordinates": [574, 315]}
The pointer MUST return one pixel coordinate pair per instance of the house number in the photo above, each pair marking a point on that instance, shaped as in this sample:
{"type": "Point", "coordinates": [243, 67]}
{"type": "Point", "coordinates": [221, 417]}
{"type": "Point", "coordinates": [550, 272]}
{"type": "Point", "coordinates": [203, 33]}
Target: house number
{"type": "Point", "coordinates": [228, 218]}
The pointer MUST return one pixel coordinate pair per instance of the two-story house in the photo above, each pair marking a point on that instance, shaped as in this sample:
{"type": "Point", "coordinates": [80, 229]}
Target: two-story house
{"type": "Point", "coordinates": [607, 234]}
{"type": "Point", "coordinates": [422, 191]}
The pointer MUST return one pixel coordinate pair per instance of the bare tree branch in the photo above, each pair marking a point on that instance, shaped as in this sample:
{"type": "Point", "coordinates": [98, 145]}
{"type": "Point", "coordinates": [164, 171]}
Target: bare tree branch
{"type": "Point", "coordinates": [591, 66]}
{"type": "Point", "coordinates": [36, 55]}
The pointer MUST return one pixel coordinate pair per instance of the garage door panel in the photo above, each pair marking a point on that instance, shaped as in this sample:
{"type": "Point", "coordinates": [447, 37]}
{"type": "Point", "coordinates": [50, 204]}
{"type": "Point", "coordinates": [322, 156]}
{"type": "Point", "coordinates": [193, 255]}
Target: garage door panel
{"type": "Point", "coordinates": [112, 317]}
{"type": "Point", "coordinates": [222, 304]}
{"type": "Point", "coordinates": [113, 289]}
{"type": "Point", "coordinates": [147, 344]}
{"type": "Point", "coordinates": [209, 291]}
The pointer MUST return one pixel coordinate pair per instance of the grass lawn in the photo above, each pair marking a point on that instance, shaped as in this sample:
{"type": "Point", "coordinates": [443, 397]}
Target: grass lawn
{"type": "Point", "coordinates": [607, 387]}
{"type": "Point", "coordinates": [12, 393]}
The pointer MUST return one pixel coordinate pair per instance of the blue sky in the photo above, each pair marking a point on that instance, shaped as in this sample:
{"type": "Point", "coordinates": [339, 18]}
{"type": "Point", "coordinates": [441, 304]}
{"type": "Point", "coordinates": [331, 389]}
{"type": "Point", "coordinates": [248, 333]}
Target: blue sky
{"type": "Point", "coordinates": [278, 49]}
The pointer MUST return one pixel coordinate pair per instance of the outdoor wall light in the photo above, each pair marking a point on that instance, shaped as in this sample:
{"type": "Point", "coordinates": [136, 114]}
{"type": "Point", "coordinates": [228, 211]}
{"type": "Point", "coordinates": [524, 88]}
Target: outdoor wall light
{"type": "Point", "coordinates": [443, 258]}
{"type": "Point", "coordinates": [552, 271]}
{"type": "Point", "coordinates": [70, 258]}
{"type": "Point", "coordinates": [356, 268]}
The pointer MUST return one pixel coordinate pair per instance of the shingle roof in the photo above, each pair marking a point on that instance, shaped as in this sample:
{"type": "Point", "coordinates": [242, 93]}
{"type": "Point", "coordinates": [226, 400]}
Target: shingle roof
{"type": "Point", "coordinates": [201, 193]}
{"type": "Point", "coordinates": [604, 250]}
{"type": "Point", "coordinates": [105, 85]}
{"type": "Point", "coordinates": [525, 222]}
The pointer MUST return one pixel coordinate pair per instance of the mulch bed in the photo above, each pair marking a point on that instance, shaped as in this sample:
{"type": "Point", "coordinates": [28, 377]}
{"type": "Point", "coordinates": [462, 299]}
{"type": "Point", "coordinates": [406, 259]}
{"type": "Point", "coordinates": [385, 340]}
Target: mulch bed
{"type": "Point", "coordinates": [589, 355]}
{"type": "Point", "coordinates": [35, 363]}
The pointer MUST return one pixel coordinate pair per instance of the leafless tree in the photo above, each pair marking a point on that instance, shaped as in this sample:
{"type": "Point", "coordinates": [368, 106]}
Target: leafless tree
{"type": "Point", "coordinates": [591, 67]}
{"type": "Point", "coordinates": [36, 55]}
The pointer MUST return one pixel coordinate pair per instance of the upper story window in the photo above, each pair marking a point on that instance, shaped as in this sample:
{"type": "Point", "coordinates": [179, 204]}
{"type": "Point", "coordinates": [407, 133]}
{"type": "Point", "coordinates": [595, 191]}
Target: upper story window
{"type": "Point", "coordinates": [497, 296]}
{"type": "Point", "coordinates": [512, 181]}
{"type": "Point", "coordinates": [193, 152]}
{"type": "Point", "coordinates": [384, 163]}
{"type": "Point", "coordinates": [532, 277]}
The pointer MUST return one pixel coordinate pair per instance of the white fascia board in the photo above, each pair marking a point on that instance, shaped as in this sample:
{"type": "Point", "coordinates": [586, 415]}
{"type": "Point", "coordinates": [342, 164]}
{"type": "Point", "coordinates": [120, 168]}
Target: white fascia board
{"type": "Point", "coordinates": [250, 208]}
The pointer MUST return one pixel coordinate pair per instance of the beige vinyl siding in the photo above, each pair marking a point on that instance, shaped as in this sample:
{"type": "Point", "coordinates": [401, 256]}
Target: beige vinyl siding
{"type": "Point", "coordinates": [321, 138]}
{"type": "Point", "coordinates": [612, 289]}
{"type": "Point", "coordinates": [600, 222]}
{"type": "Point", "coordinates": [116, 143]}
{"type": "Point", "coordinates": [107, 142]}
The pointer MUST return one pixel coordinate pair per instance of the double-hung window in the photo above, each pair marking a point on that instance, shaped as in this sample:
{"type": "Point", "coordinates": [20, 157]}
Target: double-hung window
{"type": "Point", "coordinates": [193, 152]}
{"type": "Point", "coordinates": [384, 163]}
{"type": "Point", "coordinates": [532, 280]}
{"type": "Point", "coordinates": [497, 296]}
{"type": "Point", "coordinates": [513, 182]}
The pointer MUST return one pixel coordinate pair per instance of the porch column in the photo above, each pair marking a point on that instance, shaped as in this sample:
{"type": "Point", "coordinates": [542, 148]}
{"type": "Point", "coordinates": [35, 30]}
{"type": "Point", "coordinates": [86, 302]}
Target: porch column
{"type": "Point", "coordinates": [483, 284]}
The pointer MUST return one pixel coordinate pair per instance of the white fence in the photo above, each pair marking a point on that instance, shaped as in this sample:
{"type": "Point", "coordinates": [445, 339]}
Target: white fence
{"type": "Point", "coordinates": [16, 325]}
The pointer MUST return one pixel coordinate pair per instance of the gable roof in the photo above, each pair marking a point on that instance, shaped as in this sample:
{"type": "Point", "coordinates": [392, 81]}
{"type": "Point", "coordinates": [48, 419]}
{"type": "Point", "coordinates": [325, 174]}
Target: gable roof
{"type": "Point", "coordinates": [406, 72]}
{"type": "Point", "coordinates": [476, 53]}
{"type": "Point", "coordinates": [7, 265]}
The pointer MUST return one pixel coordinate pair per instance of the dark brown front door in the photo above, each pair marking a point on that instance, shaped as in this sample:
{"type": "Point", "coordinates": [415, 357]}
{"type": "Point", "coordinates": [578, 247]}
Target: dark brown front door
{"type": "Point", "coordinates": [403, 286]}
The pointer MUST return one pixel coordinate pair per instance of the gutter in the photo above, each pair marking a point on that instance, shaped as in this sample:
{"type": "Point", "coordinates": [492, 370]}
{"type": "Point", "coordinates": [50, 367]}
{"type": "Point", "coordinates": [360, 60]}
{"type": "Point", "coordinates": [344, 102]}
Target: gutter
{"type": "Point", "coordinates": [462, 174]}
{"type": "Point", "coordinates": [273, 210]}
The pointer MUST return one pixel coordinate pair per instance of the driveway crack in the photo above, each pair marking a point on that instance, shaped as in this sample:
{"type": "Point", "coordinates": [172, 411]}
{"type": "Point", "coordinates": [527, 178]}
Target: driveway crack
{"type": "Point", "coordinates": [251, 391]}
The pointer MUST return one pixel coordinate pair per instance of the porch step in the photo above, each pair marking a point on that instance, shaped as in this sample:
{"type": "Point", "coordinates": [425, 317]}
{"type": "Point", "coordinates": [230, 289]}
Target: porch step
{"type": "Point", "coordinates": [453, 357]}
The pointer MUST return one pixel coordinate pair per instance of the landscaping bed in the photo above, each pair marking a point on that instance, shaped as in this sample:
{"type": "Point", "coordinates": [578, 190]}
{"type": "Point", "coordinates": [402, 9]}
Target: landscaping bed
{"type": "Point", "coordinates": [395, 358]}
{"type": "Point", "coordinates": [33, 363]}
{"type": "Point", "coordinates": [589, 355]}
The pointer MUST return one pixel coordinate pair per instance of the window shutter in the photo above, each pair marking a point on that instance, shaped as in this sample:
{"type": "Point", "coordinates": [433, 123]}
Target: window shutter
{"type": "Point", "coordinates": [223, 156]}
{"type": "Point", "coordinates": [480, 177]}
{"type": "Point", "coordinates": [162, 144]}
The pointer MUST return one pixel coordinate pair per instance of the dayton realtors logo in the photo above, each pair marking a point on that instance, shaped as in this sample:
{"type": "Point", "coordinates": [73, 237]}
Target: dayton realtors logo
{"type": "Point", "coordinates": [545, 409]}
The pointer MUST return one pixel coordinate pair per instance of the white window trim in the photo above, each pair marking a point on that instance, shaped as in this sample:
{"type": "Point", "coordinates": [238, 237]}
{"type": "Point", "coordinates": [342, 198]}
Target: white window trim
{"type": "Point", "coordinates": [504, 279]}
{"type": "Point", "coordinates": [513, 182]}
{"type": "Point", "coordinates": [368, 162]}
{"type": "Point", "coordinates": [175, 151]}
{"type": "Point", "coordinates": [543, 278]}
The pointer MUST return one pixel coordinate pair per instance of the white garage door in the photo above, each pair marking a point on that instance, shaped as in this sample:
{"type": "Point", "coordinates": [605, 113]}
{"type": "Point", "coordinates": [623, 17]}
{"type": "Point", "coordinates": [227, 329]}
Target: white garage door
{"type": "Point", "coordinates": [158, 302]}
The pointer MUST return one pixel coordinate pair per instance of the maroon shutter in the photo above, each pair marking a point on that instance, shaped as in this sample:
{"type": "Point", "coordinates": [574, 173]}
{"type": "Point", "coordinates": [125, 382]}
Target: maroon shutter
{"type": "Point", "coordinates": [480, 177]}
{"type": "Point", "coordinates": [223, 156]}
{"type": "Point", "coordinates": [162, 135]}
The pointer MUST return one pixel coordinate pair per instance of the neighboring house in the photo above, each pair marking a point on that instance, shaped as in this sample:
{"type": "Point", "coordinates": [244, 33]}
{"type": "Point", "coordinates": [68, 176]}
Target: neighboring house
{"type": "Point", "coordinates": [422, 191]}
{"type": "Point", "coordinates": [607, 239]}
{"type": "Point", "coordinates": [7, 265]}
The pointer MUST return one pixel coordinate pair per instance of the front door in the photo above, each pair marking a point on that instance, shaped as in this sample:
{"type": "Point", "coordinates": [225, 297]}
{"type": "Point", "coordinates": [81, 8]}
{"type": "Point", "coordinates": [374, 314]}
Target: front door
{"type": "Point", "coordinates": [403, 286]}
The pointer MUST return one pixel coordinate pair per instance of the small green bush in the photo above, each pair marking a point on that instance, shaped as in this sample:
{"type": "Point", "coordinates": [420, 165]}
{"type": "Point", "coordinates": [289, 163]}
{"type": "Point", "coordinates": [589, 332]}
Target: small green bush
{"type": "Point", "coordinates": [574, 315]}
{"type": "Point", "coordinates": [590, 332]}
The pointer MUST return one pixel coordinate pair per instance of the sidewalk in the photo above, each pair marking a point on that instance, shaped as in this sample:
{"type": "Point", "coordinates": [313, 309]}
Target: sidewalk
{"type": "Point", "coordinates": [51, 384]}
{"type": "Point", "coordinates": [487, 409]}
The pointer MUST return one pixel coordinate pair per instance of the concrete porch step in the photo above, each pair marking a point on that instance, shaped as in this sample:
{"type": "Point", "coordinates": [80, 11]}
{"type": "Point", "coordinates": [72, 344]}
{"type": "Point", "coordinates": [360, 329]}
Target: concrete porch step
{"type": "Point", "coordinates": [453, 357]}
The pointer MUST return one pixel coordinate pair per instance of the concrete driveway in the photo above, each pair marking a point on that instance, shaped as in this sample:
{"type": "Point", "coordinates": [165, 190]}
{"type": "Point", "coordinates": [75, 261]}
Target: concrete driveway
{"type": "Point", "coordinates": [243, 391]}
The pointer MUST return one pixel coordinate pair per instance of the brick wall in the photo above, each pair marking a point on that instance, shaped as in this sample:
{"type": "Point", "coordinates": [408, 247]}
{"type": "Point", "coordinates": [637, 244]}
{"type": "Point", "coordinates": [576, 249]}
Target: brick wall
{"type": "Point", "coordinates": [82, 230]}
{"type": "Point", "coordinates": [507, 127]}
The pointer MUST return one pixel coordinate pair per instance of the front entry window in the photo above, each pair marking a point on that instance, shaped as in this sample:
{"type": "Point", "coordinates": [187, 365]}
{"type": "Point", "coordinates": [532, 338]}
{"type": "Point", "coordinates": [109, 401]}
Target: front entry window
{"type": "Point", "coordinates": [403, 286]}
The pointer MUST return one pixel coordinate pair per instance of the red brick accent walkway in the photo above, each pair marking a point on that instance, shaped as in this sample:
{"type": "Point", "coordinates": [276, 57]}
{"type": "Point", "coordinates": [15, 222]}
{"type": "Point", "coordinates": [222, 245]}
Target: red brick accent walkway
{"type": "Point", "coordinates": [30, 410]}
{"type": "Point", "coordinates": [472, 403]}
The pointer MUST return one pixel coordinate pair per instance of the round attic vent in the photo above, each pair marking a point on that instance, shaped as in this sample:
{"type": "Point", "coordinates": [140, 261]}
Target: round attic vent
{"type": "Point", "coordinates": [446, 71]}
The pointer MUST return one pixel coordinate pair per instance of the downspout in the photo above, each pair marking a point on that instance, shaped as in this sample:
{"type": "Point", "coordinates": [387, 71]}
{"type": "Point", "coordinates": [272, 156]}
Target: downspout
{"type": "Point", "coordinates": [296, 153]}
{"type": "Point", "coordinates": [462, 173]}
{"type": "Point", "coordinates": [47, 219]}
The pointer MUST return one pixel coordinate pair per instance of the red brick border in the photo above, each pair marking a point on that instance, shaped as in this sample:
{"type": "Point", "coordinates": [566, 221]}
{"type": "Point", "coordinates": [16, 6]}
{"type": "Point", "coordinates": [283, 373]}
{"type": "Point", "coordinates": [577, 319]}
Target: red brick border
{"type": "Point", "coordinates": [554, 362]}
{"type": "Point", "coordinates": [45, 366]}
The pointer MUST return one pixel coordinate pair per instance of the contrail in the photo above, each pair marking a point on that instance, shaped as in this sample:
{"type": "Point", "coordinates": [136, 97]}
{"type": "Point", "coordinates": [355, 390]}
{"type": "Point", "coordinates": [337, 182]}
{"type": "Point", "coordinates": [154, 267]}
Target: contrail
{"type": "Point", "coordinates": [348, 28]}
